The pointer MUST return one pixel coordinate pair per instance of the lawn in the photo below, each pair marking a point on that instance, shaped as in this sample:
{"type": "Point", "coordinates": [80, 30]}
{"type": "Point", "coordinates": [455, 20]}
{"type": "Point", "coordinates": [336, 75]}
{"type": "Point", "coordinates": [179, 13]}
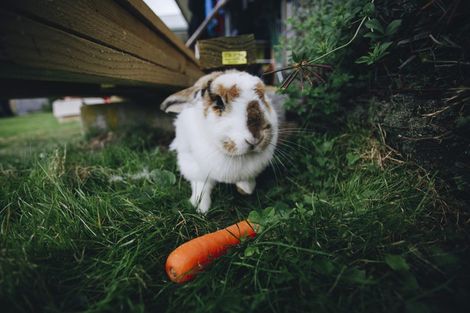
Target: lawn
{"type": "Point", "coordinates": [25, 136]}
{"type": "Point", "coordinates": [350, 226]}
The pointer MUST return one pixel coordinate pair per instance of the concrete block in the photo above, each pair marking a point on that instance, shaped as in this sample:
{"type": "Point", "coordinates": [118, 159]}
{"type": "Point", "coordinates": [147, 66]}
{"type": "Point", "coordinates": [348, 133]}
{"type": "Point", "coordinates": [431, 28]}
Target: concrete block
{"type": "Point", "coordinates": [126, 115]}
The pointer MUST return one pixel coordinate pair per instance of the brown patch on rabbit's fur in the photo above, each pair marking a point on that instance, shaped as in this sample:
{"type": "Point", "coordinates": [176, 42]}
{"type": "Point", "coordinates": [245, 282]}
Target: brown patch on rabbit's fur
{"type": "Point", "coordinates": [260, 91]}
{"type": "Point", "coordinates": [257, 125]}
{"type": "Point", "coordinates": [228, 94]}
{"type": "Point", "coordinates": [255, 121]}
{"type": "Point", "coordinates": [230, 146]}
{"type": "Point", "coordinates": [268, 136]}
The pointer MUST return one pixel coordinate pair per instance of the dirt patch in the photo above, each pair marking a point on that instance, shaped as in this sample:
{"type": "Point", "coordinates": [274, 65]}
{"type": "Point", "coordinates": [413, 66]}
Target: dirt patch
{"type": "Point", "coordinates": [432, 132]}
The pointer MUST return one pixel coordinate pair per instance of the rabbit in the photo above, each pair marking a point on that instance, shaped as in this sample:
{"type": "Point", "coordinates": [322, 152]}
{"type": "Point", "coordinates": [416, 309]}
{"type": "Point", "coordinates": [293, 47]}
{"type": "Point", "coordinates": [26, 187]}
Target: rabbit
{"type": "Point", "coordinates": [226, 132]}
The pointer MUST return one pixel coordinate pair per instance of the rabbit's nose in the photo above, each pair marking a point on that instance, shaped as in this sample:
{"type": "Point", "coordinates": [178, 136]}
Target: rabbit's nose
{"type": "Point", "coordinates": [253, 142]}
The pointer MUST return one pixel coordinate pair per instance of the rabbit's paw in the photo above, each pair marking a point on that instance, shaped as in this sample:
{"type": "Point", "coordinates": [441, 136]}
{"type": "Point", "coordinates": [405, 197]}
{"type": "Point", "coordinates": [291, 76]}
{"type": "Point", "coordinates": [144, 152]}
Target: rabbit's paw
{"type": "Point", "coordinates": [246, 187]}
{"type": "Point", "coordinates": [204, 205]}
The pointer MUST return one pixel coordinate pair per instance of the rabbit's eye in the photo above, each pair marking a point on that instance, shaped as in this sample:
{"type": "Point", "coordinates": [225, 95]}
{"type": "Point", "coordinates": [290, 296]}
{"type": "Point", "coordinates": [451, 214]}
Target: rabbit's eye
{"type": "Point", "coordinates": [219, 103]}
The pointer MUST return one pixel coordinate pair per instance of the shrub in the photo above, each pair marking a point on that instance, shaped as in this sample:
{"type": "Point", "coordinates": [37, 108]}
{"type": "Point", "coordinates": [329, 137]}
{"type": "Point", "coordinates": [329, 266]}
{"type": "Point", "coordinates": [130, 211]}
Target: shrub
{"type": "Point", "coordinates": [319, 27]}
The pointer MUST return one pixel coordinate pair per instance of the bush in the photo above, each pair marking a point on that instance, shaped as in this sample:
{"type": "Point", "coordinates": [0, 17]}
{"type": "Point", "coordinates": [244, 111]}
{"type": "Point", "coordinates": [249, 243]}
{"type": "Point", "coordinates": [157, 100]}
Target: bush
{"type": "Point", "coordinates": [410, 50]}
{"type": "Point", "coordinates": [402, 45]}
{"type": "Point", "coordinates": [319, 27]}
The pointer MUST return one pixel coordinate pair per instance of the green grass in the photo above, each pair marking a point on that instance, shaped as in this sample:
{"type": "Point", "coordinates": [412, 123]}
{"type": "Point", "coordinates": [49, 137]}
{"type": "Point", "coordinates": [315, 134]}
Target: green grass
{"type": "Point", "coordinates": [82, 231]}
{"type": "Point", "coordinates": [20, 137]}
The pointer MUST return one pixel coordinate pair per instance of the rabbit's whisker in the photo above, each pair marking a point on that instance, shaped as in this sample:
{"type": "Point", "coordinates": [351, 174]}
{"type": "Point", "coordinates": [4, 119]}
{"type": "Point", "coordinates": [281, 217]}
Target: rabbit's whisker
{"type": "Point", "coordinates": [283, 154]}
{"type": "Point", "coordinates": [294, 145]}
{"type": "Point", "coordinates": [274, 171]}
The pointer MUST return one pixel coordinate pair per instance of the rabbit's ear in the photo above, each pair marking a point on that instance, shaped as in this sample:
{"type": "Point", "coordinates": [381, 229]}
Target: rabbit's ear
{"type": "Point", "coordinates": [178, 101]}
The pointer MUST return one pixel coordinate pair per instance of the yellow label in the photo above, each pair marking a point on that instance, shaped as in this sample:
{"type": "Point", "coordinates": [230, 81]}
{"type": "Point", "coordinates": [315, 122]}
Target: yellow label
{"type": "Point", "coordinates": [234, 57]}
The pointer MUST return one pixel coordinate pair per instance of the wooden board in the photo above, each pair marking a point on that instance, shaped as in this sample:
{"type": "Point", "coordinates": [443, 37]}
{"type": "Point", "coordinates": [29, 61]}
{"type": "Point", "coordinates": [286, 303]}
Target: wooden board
{"type": "Point", "coordinates": [103, 22]}
{"type": "Point", "coordinates": [32, 44]}
{"type": "Point", "coordinates": [21, 88]}
{"type": "Point", "coordinates": [140, 9]}
{"type": "Point", "coordinates": [13, 88]}
{"type": "Point", "coordinates": [89, 42]}
{"type": "Point", "coordinates": [211, 50]}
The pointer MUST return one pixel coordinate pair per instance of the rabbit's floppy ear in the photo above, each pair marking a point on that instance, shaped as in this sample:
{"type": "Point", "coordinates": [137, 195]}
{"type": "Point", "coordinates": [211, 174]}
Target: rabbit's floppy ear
{"type": "Point", "coordinates": [180, 100]}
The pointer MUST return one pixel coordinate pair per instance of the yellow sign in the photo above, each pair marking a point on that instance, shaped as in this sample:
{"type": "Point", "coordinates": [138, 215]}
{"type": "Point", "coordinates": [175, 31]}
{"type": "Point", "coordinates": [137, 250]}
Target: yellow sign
{"type": "Point", "coordinates": [234, 57]}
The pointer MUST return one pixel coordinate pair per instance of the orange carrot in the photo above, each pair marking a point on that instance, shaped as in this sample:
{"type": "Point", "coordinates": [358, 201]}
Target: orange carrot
{"type": "Point", "coordinates": [192, 256]}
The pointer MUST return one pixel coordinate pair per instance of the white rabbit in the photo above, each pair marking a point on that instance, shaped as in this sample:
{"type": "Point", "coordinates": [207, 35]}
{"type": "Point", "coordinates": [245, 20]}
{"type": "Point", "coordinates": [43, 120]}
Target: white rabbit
{"type": "Point", "coordinates": [226, 131]}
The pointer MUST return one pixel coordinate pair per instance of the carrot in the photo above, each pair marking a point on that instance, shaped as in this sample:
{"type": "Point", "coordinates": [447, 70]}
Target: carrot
{"type": "Point", "coordinates": [192, 256]}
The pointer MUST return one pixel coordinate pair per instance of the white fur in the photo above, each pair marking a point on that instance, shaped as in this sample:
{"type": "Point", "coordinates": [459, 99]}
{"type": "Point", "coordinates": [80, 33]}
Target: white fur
{"type": "Point", "coordinates": [199, 139]}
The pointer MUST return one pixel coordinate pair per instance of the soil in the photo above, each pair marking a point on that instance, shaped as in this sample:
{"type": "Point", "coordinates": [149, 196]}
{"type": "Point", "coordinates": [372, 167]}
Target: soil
{"type": "Point", "coordinates": [435, 133]}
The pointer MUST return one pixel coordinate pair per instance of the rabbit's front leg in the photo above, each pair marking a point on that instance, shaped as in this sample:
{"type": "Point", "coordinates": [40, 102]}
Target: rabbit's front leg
{"type": "Point", "coordinates": [246, 187]}
{"type": "Point", "coordinates": [201, 195]}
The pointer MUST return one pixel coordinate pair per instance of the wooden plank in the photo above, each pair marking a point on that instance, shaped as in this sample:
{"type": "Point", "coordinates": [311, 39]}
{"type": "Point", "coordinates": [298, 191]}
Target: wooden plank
{"type": "Point", "coordinates": [17, 71]}
{"type": "Point", "coordinates": [211, 50]}
{"type": "Point", "coordinates": [20, 88]}
{"type": "Point", "coordinates": [141, 9]}
{"type": "Point", "coordinates": [104, 22]}
{"type": "Point", "coordinates": [32, 44]}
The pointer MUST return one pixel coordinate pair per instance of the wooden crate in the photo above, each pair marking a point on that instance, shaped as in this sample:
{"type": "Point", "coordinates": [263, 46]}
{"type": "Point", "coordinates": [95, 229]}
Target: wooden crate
{"type": "Point", "coordinates": [226, 52]}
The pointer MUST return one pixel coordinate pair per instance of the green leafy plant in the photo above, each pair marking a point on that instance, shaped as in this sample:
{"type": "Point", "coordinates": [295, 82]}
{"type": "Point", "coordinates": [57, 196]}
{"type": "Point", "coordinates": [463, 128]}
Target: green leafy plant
{"type": "Point", "coordinates": [325, 28]}
{"type": "Point", "coordinates": [377, 52]}
{"type": "Point", "coordinates": [378, 32]}
{"type": "Point", "coordinates": [380, 40]}
{"type": "Point", "coordinates": [397, 262]}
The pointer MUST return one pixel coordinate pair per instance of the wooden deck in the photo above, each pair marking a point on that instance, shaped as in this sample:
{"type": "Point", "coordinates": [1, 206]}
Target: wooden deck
{"type": "Point", "coordinates": [90, 47]}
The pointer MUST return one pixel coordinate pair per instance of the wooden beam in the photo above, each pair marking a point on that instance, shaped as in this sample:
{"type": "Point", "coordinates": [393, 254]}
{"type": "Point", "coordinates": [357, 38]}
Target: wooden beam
{"type": "Point", "coordinates": [103, 22]}
{"type": "Point", "coordinates": [141, 9]}
{"type": "Point", "coordinates": [20, 88]}
{"type": "Point", "coordinates": [34, 45]}
{"type": "Point", "coordinates": [13, 88]}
